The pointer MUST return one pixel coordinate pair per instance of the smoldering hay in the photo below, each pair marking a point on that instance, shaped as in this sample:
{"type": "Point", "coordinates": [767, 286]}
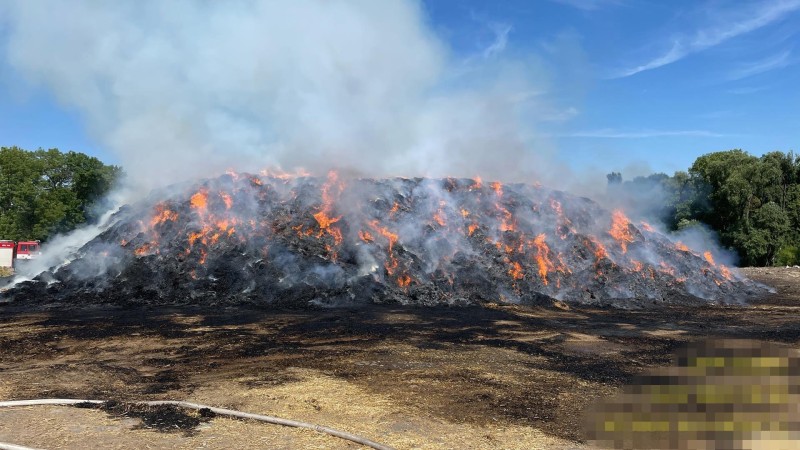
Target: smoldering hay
{"type": "Point", "coordinates": [300, 241]}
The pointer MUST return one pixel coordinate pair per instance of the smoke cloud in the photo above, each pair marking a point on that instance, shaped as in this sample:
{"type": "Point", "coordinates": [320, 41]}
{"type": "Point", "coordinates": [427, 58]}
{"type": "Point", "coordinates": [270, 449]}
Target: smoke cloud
{"type": "Point", "coordinates": [183, 89]}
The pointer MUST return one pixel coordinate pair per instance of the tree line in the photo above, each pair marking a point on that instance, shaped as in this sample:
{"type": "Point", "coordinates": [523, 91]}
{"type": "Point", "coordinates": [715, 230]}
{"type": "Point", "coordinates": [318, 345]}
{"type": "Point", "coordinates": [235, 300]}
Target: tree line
{"type": "Point", "coordinates": [46, 192]}
{"type": "Point", "coordinates": [752, 203]}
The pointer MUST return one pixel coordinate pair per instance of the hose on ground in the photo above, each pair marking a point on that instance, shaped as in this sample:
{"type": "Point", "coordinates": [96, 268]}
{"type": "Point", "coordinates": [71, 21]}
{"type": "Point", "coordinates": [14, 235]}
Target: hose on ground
{"type": "Point", "coordinates": [195, 406]}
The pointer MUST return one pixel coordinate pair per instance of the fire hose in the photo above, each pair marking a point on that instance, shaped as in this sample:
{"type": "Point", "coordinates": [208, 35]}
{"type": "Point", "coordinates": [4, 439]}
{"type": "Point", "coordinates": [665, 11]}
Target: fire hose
{"type": "Point", "coordinates": [195, 406]}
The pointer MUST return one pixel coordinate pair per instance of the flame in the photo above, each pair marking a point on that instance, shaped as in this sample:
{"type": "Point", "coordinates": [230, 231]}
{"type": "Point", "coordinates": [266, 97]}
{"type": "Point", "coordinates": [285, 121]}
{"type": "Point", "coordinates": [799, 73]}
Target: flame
{"type": "Point", "coordinates": [143, 250]}
{"type": "Point", "coordinates": [439, 216]}
{"type": "Point", "coordinates": [404, 280]}
{"type": "Point", "coordinates": [471, 228]}
{"type": "Point", "coordinates": [477, 183]}
{"type": "Point", "coordinates": [620, 230]}
{"type": "Point", "coordinates": [637, 266]}
{"type": "Point", "coordinates": [516, 271]}
{"type": "Point", "coordinates": [284, 176]}
{"type": "Point", "coordinates": [599, 250]}
{"type": "Point", "coordinates": [543, 257]}
{"type": "Point", "coordinates": [323, 216]}
{"type": "Point", "coordinates": [497, 187]}
{"type": "Point", "coordinates": [199, 200]}
{"type": "Point", "coordinates": [391, 263]}
{"type": "Point", "coordinates": [682, 247]}
{"type": "Point", "coordinates": [646, 227]}
{"type": "Point", "coordinates": [162, 215]}
{"type": "Point", "coordinates": [365, 236]}
{"type": "Point", "coordinates": [385, 233]}
{"type": "Point", "coordinates": [665, 268]}
{"type": "Point", "coordinates": [709, 257]}
{"type": "Point", "coordinates": [564, 224]}
{"type": "Point", "coordinates": [203, 256]}
{"type": "Point", "coordinates": [227, 199]}
{"type": "Point", "coordinates": [394, 209]}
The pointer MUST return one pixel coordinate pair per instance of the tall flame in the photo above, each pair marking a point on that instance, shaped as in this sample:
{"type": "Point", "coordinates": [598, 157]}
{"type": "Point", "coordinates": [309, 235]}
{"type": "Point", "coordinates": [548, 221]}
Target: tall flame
{"type": "Point", "coordinates": [543, 257]}
{"type": "Point", "coordinates": [620, 229]}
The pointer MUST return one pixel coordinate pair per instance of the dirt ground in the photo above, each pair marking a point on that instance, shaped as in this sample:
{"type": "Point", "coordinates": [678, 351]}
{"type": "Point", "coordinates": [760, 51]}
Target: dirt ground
{"type": "Point", "coordinates": [451, 378]}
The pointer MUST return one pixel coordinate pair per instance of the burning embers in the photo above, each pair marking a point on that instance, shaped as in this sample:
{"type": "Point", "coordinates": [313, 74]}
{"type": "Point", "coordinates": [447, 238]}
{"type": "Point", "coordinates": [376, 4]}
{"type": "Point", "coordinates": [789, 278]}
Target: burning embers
{"type": "Point", "coordinates": [299, 239]}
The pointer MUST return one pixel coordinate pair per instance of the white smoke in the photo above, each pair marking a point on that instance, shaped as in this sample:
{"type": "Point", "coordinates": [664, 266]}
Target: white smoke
{"type": "Point", "coordinates": [182, 89]}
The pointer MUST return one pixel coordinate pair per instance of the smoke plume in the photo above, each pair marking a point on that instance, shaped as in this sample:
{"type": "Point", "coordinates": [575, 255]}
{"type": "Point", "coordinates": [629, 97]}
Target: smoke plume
{"type": "Point", "coordinates": [183, 89]}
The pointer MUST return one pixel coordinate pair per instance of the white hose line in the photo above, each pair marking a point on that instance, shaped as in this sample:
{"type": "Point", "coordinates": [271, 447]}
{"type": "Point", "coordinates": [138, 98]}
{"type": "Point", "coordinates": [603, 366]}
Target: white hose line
{"type": "Point", "coordinates": [195, 406]}
{"type": "Point", "coordinates": [4, 446]}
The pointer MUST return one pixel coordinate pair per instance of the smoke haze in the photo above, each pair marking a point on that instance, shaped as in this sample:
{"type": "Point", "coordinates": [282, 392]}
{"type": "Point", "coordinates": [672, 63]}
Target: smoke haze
{"type": "Point", "coordinates": [183, 89]}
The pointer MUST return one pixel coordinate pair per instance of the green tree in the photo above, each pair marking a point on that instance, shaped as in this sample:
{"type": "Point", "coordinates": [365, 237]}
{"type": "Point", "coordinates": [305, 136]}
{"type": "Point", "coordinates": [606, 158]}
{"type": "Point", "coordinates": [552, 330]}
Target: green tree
{"type": "Point", "coordinates": [44, 192]}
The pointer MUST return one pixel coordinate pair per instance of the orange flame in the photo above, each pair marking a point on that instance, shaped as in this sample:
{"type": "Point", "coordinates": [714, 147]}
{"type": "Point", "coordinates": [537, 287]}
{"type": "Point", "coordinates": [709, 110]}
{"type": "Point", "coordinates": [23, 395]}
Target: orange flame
{"type": "Point", "coordinates": [365, 236]}
{"type": "Point", "coordinates": [143, 250]}
{"type": "Point", "coordinates": [163, 214]}
{"type": "Point", "coordinates": [477, 183]}
{"type": "Point", "coordinates": [542, 257]}
{"type": "Point", "coordinates": [516, 271]}
{"type": "Point", "coordinates": [385, 233]}
{"type": "Point", "coordinates": [199, 200]}
{"type": "Point", "coordinates": [646, 227]}
{"type": "Point", "coordinates": [439, 216]}
{"type": "Point", "coordinates": [709, 257]}
{"type": "Point", "coordinates": [620, 230]}
{"type": "Point", "coordinates": [682, 247]}
{"type": "Point", "coordinates": [392, 263]}
{"type": "Point", "coordinates": [564, 224]}
{"type": "Point", "coordinates": [497, 187]}
{"type": "Point", "coordinates": [471, 228]}
{"type": "Point", "coordinates": [404, 280]}
{"type": "Point", "coordinates": [227, 199]}
{"type": "Point", "coordinates": [599, 250]}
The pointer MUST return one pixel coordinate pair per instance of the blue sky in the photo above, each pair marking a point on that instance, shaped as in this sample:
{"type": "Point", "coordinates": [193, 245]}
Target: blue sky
{"type": "Point", "coordinates": [635, 85]}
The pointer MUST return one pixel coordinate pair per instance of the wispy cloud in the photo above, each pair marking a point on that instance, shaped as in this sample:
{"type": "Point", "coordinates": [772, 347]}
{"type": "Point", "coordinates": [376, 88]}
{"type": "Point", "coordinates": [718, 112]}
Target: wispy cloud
{"type": "Point", "coordinates": [501, 31]}
{"type": "Point", "coordinates": [589, 5]}
{"type": "Point", "coordinates": [724, 28]}
{"type": "Point", "coordinates": [610, 133]}
{"type": "Point", "coordinates": [773, 62]}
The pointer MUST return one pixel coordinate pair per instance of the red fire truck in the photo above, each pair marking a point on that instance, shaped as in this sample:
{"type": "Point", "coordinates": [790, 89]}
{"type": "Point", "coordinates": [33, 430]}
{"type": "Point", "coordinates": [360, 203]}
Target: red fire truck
{"type": "Point", "coordinates": [11, 251]}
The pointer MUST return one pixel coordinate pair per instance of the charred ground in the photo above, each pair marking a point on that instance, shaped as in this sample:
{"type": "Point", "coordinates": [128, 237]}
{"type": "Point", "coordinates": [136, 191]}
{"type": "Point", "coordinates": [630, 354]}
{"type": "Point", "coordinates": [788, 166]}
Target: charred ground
{"type": "Point", "coordinates": [479, 375]}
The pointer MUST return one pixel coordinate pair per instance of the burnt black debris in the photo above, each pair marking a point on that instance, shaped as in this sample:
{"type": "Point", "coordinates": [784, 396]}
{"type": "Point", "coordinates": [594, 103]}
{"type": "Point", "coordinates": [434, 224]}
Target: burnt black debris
{"type": "Point", "coordinates": [301, 241]}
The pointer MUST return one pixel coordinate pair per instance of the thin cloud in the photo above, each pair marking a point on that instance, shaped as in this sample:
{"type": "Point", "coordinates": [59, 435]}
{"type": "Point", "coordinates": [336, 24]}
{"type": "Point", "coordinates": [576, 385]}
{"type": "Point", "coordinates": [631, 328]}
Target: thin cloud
{"type": "Point", "coordinates": [610, 133]}
{"type": "Point", "coordinates": [501, 31]}
{"type": "Point", "coordinates": [724, 29]}
{"type": "Point", "coordinates": [773, 62]}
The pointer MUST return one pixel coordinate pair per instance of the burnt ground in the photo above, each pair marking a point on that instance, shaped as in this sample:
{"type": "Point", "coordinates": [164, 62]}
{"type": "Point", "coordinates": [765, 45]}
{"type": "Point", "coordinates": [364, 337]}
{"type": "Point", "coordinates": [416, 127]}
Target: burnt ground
{"type": "Point", "coordinates": [503, 376]}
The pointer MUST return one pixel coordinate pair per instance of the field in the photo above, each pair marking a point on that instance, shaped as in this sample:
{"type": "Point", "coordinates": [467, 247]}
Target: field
{"type": "Point", "coordinates": [498, 377]}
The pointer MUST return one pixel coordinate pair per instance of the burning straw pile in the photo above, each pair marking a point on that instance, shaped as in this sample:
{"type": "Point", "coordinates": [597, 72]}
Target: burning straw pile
{"type": "Point", "coordinates": [299, 240]}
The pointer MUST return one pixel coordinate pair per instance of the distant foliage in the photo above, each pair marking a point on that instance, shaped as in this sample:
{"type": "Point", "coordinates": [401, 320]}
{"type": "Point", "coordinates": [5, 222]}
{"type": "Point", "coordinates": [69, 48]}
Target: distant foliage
{"type": "Point", "coordinates": [45, 192]}
{"type": "Point", "coordinates": [752, 203]}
